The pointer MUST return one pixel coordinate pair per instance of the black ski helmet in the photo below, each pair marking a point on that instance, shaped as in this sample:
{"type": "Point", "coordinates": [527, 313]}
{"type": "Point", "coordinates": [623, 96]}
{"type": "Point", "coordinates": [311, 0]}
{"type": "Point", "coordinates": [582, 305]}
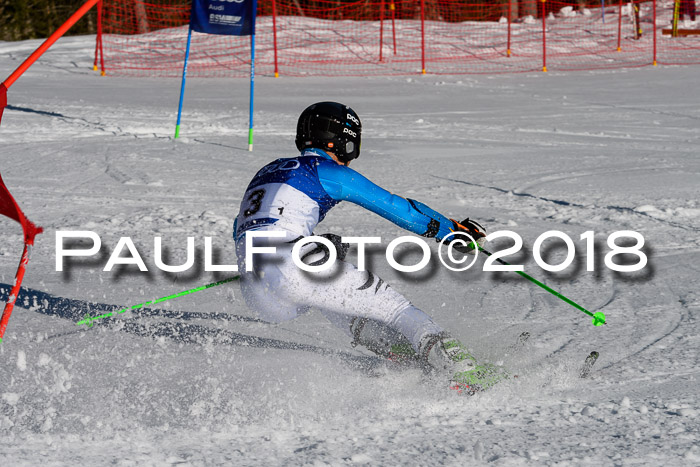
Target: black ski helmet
{"type": "Point", "coordinates": [330, 126]}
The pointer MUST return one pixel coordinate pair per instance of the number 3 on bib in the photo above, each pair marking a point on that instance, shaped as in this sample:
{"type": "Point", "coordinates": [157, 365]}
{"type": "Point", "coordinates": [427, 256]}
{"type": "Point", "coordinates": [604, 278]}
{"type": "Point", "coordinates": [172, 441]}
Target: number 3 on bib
{"type": "Point", "coordinates": [254, 202]}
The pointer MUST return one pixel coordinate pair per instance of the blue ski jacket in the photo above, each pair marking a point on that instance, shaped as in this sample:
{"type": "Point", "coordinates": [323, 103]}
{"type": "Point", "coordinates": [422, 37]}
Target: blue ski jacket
{"type": "Point", "coordinates": [295, 194]}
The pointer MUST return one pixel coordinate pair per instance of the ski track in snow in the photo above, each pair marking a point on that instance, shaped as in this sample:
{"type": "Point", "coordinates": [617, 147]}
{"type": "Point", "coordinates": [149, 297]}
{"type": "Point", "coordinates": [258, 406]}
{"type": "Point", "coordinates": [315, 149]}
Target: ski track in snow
{"type": "Point", "coordinates": [201, 381]}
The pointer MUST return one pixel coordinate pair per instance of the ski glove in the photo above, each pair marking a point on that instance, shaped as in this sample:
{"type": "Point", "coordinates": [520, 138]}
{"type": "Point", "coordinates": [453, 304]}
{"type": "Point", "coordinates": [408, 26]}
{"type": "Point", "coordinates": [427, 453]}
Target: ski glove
{"type": "Point", "coordinates": [470, 227]}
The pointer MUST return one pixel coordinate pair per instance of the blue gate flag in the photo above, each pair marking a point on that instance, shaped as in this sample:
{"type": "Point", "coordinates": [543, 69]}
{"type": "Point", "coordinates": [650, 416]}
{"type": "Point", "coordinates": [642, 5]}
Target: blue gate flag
{"type": "Point", "coordinates": [227, 17]}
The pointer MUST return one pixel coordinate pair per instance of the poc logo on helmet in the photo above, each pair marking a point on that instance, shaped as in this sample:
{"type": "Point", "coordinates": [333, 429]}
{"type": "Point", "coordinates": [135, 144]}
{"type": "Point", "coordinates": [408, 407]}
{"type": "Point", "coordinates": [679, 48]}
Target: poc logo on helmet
{"type": "Point", "coordinates": [350, 132]}
{"type": "Point", "coordinates": [353, 119]}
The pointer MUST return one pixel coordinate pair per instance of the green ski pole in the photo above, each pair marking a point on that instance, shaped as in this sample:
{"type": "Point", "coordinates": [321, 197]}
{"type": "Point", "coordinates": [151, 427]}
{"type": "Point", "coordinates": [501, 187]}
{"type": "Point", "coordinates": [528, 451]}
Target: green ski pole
{"type": "Point", "coordinates": [598, 317]}
{"type": "Point", "coordinates": [89, 320]}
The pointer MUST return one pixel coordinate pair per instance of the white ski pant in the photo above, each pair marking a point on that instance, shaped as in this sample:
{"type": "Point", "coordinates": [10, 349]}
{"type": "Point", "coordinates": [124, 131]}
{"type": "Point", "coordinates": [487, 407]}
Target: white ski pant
{"type": "Point", "coordinates": [277, 290]}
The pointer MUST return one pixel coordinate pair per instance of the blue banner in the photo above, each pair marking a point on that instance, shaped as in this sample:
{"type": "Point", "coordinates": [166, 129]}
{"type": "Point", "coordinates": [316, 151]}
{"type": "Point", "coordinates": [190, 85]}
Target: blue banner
{"type": "Point", "coordinates": [228, 17]}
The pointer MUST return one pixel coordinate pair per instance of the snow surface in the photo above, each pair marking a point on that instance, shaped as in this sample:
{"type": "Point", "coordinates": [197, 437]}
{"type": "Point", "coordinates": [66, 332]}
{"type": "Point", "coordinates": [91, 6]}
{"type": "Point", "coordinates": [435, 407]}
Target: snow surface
{"type": "Point", "coordinates": [575, 152]}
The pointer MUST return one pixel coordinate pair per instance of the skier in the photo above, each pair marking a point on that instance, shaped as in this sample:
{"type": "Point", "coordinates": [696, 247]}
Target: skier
{"type": "Point", "coordinates": [292, 196]}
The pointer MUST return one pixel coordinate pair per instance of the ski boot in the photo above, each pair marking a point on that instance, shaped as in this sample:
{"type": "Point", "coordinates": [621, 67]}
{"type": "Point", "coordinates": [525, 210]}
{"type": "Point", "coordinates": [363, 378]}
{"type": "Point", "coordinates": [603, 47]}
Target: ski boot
{"type": "Point", "coordinates": [446, 354]}
{"type": "Point", "coordinates": [383, 341]}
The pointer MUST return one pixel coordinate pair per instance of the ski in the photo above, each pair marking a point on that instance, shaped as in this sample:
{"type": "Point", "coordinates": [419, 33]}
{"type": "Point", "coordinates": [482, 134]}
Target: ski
{"type": "Point", "coordinates": [588, 364]}
{"type": "Point", "coordinates": [490, 372]}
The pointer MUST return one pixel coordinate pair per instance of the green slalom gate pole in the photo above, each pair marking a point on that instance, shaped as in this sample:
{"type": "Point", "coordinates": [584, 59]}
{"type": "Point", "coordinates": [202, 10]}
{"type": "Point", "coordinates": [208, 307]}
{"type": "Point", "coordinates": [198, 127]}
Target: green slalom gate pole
{"type": "Point", "coordinates": [598, 317]}
{"type": "Point", "coordinates": [676, 15]}
{"type": "Point", "coordinates": [89, 320]}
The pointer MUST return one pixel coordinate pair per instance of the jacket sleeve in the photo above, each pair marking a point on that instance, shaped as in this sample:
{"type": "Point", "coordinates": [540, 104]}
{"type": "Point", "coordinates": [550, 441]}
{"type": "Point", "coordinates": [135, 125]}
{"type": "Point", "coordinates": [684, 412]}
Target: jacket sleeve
{"type": "Point", "coordinates": [344, 184]}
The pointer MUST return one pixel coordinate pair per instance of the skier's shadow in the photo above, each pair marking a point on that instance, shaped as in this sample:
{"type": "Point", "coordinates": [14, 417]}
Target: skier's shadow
{"type": "Point", "coordinates": [178, 331]}
{"type": "Point", "coordinates": [76, 310]}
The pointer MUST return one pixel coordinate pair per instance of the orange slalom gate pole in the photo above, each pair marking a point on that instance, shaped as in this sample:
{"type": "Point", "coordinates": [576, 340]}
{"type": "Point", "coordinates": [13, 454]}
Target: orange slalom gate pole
{"type": "Point", "coordinates": [274, 35]}
{"type": "Point", "coordinates": [393, 23]}
{"type": "Point", "coordinates": [654, 23]}
{"type": "Point", "coordinates": [619, 27]}
{"type": "Point", "coordinates": [3, 99]}
{"type": "Point", "coordinates": [49, 42]}
{"type": "Point", "coordinates": [422, 35]}
{"type": "Point", "coordinates": [510, 8]}
{"type": "Point", "coordinates": [102, 55]}
{"type": "Point", "coordinates": [98, 43]}
{"type": "Point", "coordinates": [12, 298]}
{"type": "Point", "coordinates": [544, 39]}
{"type": "Point", "coordinates": [97, 36]}
{"type": "Point", "coordinates": [9, 208]}
{"type": "Point", "coordinates": [381, 29]}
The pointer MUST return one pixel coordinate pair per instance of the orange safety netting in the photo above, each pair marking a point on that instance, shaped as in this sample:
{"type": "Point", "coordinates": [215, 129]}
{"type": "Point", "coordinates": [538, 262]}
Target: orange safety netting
{"type": "Point", "coordinates": [375, 37]}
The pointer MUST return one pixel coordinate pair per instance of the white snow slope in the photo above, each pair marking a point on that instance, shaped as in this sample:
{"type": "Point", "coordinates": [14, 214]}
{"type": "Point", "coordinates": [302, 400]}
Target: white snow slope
{"type": "Point", "coordinates": [574, 152]}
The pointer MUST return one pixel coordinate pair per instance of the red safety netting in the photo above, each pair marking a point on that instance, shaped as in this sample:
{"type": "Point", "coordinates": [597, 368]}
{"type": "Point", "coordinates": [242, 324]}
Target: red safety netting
{"type": "Point", "coordinates": [375, 37]}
